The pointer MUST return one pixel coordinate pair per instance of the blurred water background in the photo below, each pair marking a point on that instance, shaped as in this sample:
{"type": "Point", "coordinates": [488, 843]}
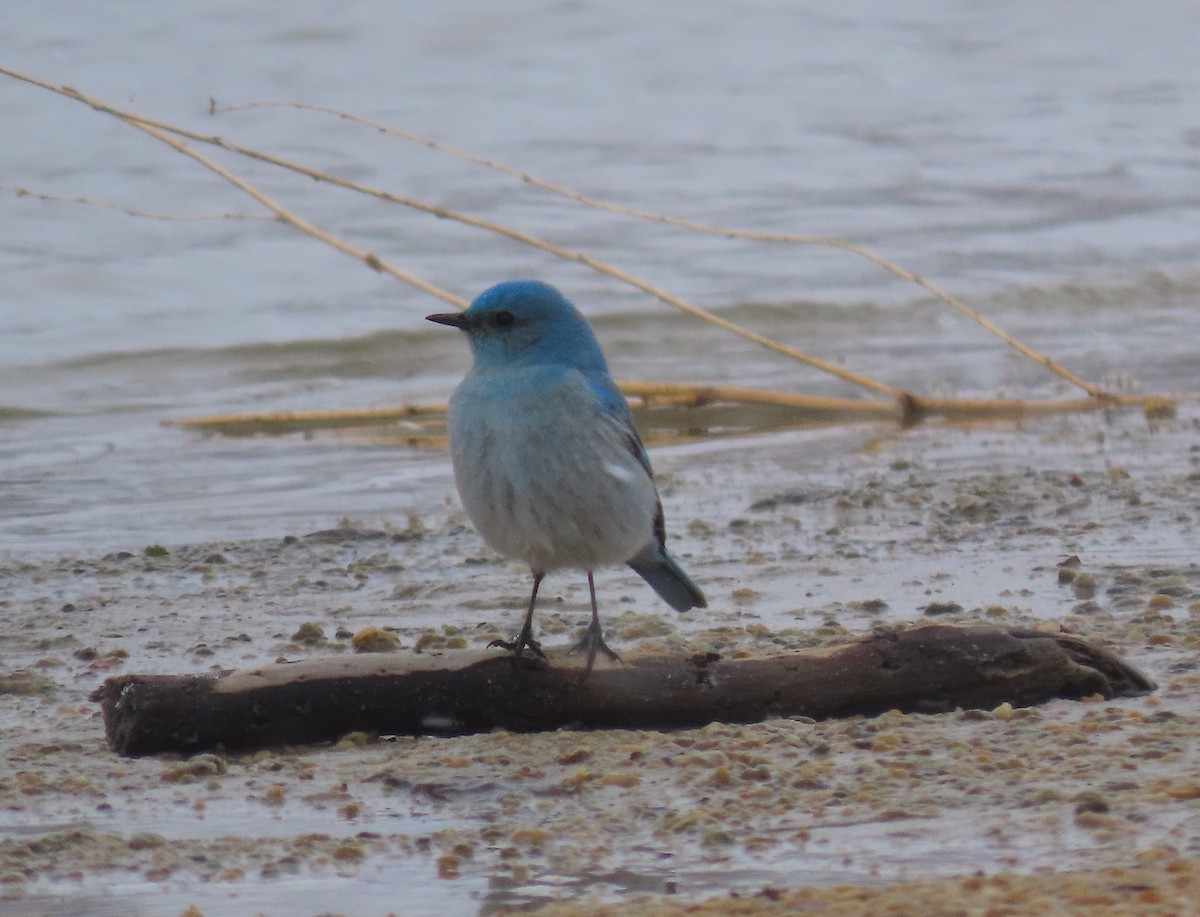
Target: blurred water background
{"type": "Point", "coordinates": [1040, 159]}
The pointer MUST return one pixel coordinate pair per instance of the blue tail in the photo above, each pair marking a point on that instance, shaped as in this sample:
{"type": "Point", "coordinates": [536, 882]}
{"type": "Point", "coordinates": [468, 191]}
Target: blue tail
{"type": "Point", "coordinates": [658, 568]}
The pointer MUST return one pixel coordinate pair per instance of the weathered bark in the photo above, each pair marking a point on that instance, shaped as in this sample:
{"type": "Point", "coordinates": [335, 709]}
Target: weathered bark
{"type": "Point", "coordinates": [925, 669]}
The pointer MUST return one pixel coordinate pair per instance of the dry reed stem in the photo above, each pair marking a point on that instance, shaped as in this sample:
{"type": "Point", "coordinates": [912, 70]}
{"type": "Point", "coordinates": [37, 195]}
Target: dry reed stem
{"type": "Point", "coordinates": [651, 395]}
{"type": "Point", "coordinates": [693, 395]}
{"type": "Point", "coordinates": [641, 394]}
{"type": "Point", "coordinates": [309, 420]}
{"type": "Point", "coordinates": [158, 129]}
{"type": "Point", "coordinates": [162, 132]}
{"type": "Point", "coordinates": [827, 241]}
{"type": "Point", "coordinates": [911, 407]}
{"type": "Point", "coordinates": [685, 394]}
{"type": "Point", "coordinates": [133, 211]}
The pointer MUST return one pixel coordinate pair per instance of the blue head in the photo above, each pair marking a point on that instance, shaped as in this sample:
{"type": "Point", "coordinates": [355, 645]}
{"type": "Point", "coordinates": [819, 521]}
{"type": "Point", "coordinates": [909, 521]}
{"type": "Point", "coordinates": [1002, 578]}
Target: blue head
{"type": "Point", "coordinates": [526, 321]}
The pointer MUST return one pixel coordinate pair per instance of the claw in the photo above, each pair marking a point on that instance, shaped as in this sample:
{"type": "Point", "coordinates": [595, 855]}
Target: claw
{"type": "Point", "coordinates": [524, 640]}
{"type": "Point", "coordinates": [593, 643]}
{"type": "Point", "coordinates": [518, 646]}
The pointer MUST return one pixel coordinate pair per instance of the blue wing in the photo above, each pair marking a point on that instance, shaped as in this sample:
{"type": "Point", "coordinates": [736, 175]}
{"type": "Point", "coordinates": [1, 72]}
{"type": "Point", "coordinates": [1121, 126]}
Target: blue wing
{"type": "Point", "coordinates": [653, 562]}
{"type": "Point", "coordinates": [613, 403]}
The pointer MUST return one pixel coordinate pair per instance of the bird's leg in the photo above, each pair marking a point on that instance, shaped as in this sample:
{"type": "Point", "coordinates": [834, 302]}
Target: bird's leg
{"type": "Point", "coordinates": [593, 637]}
{"type": "Point", "coordinates": [525, 637]}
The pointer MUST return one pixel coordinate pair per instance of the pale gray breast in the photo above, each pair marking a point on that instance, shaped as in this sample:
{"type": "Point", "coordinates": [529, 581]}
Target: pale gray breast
{"type": "Point", "coordinates": [545, 475]}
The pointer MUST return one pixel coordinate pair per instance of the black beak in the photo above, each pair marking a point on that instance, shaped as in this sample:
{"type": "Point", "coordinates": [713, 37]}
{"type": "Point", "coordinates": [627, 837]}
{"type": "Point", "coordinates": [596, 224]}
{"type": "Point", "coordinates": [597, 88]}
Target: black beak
{"type": "Point", "coordinates": [454, 319]}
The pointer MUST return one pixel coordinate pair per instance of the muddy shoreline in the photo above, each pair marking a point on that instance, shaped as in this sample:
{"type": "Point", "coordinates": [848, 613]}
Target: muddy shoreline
{"type": "Point", "coordinates": [800, 540]}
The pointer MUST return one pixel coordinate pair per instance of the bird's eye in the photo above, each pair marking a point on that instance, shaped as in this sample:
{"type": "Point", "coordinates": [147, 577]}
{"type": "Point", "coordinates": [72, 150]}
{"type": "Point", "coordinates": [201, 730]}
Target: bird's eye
{"type": "Point", "coordinates": [505, 319]}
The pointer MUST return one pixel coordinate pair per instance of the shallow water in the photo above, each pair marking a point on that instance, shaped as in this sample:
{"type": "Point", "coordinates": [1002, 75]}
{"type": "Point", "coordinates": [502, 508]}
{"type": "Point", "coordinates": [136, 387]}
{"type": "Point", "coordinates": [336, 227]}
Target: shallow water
{"type": "Point", "coordinates": [1037, 160]}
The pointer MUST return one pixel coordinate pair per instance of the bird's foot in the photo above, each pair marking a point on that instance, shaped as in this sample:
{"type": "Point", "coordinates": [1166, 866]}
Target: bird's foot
{"type": "Point", "coordinates": [593, 643]}
{"type": "Point", "coordinates": [524, 641]}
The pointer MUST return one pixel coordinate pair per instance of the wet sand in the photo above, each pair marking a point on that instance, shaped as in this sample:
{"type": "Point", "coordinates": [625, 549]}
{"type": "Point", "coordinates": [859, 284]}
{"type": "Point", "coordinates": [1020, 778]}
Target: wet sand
{"type": "Point", "coordinates": [799, 539]}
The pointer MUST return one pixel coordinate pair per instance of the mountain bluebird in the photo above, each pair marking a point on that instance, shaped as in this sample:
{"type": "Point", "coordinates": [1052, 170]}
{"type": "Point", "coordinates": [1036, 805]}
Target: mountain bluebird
{"type": "Point", "coordinates": [546, 458]}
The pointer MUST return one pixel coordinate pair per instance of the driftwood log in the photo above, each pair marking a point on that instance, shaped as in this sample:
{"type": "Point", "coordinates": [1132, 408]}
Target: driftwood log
{"type": "Point", "coordinates": [924, 669]}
